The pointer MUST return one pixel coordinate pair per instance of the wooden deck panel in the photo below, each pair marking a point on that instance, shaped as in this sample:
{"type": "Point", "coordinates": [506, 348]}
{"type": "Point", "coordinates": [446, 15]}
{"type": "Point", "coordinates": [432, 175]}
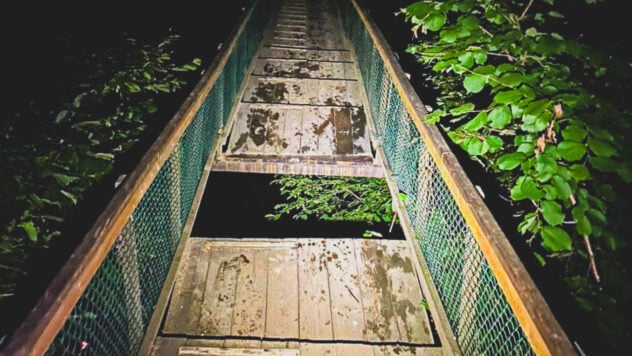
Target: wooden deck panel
{"type": "Point", "coordinates": [302, 100]}
{"type": "Point", "coordinates": [265, 293]}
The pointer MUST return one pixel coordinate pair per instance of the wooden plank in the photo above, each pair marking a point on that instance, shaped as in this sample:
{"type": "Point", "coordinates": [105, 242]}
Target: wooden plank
{"type": "Point", "coordinates": [344, 131]}
{"type": "Point", "coordinates": [216, 351]}
{"type": "Point", "coordinates": [381, 324]}
{"type": "Point", "coordinates": [292, 132]}
{"type": "Point", "coordinates": [219, 299]}
{"type": "Point", "coordinates": [282, 302]}
{"type": "Point", "coordinates": [184, 309]}
{"type": "Point", "coordinates": [360, 132]}
{"type": "Point", "coordinates": [314, 302]}
{"type": "Point", "coordinates": [318, 137]}
{"type": "Point", "coordinates": [346, 302]}
{"type": "Point", "coordinates": [384, 350]}
{"type": "Point", "coordinates": [167, 346]}
{"type": "Point", "coordinates": [302, 91]}
{"type": "Point", "coordinates": [240, 140]}
{"type": "Point", "coordinates": [354, 349]}
{"type": "Point", "coordinates": [309, 349]}
{"type": "Point", "coordinates": [310, 54]}
{"type": "Point", "coordinates": [301, 166]}
{"type": "Point", "coordinates": [412, 318]}
{"type": "Point", "coordinates": [250, 299]}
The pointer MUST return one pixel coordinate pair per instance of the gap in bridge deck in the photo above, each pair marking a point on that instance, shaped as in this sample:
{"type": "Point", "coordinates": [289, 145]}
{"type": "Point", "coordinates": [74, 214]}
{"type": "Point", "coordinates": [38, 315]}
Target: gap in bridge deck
{"type": "Point", "coordinates": [235, 205]}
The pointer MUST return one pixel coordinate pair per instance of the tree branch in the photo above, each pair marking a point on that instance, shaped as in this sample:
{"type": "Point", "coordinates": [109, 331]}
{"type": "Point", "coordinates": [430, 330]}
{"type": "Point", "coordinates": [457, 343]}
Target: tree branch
{"type": "Point", "coordinates": [526, 9]}
{"type": "Point", "coordinates": [591, 257]}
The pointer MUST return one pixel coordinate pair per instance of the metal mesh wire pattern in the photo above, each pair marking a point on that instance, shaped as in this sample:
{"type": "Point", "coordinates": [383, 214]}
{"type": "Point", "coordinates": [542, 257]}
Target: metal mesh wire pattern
{"type": "Point", "coordinates": [477, 310]}
{"type": "Point", "coordinates": [112, 315]}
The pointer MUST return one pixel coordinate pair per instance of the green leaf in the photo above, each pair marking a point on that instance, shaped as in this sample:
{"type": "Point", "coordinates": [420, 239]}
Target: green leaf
{"type": "Point", "coordinates": [63, 179]}
{"type": "Point", "coordinates": [601, 148]}
{"type": "Point", "coordinates": [529, 223]}
{"type": "Point", "coordinates": [462, 109]}
{"type": "Point", "coordinates": [474, 83]}
{"type": "Point", "coordinates": [434, 117]}
{"type": "Point", "coordinates": [598, 216]}
{"type": "Point", "coordinates": [583, 225]}
{"type": "Point", "coordinates": [606, 192]}
{"type": "Point", "coordinates": [574, 133]}
{"type": "Point", "coordinates": [419, 9]}
{"type": "Point", "coordinates": [545, 166]}
{"type": "Point", "coordinates": [132, 87]}
{"type": "Point", "coordinates": [552, 212]}
{"type": "Point", "coordinates": [579, 172]}
{"type": "Point", "coordinates": [494, 143]}
{"type": "Point", "coordinates": [540, 259]}
{"type": "Point", "coordinates": [603, 164]}
{"type": "Point", "coordinates": [508, 96]}
{"type": "Point", "coordinates": [70, 196]}
{"type": "Point", "coordinates": [511, 79]}
{"type": "Point", "coordinates": [476, 123]}
{"type": "Point", "coordinates": [474, 146]}
{"type": "Point", "coordinates": [30, 229]}
{"type": "Point", "coordinates": [480, 57]}
{"type": "Point", "coordinates": [435, 21]}
{"type": "Point", "coordinates": [531, 32]}
{"type": "Point", "coordinates": [571, 151]}
{"type": "Point", "coordinates": [499, 117]}
{"type": "Point", "coordinates": [196, 61]}
{"type": "Point", "coordinates": [554, 239]}
{"type": "Point", "coordinates": [469, 22]}
{"type": "Point", "coordinates": [561, 186]}
{"type": "Point", "coordinates": [625, 172]}
{"type": "Point", "coordinates": [467, 59]}
{"type": "Point", "coordinates": [526, 188]}
{"type": "Point", "coordinates": [510, 161]}
{"type": "Point", "coordinates": [449, 35]}
{"type": "Point", "coordinates": [526, 148]}
{"type": "Point", "coordinates": [61, 116]}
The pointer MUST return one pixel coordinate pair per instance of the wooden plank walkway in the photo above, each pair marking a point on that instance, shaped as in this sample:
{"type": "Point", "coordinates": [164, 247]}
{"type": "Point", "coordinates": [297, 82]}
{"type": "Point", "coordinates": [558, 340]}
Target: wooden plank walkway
{"type": "Point", "coordinates": [311, 294]}
{"type": "Point", "coordinates": [302, 107]}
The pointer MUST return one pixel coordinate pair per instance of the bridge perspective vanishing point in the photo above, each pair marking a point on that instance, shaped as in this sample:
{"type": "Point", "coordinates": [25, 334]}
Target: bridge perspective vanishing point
{"type": "Point", "coordinates": [300, 87]}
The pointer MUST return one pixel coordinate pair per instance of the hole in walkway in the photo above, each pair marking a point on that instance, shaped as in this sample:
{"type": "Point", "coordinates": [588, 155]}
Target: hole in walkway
{"type": "Point", "coordinates": [235, 205]}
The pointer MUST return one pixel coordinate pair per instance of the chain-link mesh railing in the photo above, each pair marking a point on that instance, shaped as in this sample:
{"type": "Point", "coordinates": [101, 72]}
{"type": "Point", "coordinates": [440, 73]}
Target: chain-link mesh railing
{"type": "Point", "coordinates": [114, 311]}
{"type": "Point", "coordinates": [477, 310]}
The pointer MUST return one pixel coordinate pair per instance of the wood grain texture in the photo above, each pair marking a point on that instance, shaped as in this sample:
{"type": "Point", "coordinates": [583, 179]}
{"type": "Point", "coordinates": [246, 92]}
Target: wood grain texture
{"type": "Point", "coordinates": [314, 301]}
{"type": "Point", "coordinates": [282, 301]}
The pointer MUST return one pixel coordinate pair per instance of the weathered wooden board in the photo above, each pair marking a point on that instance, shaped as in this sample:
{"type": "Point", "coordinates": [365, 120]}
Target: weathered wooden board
{"type": "Point", "coordinates": [217, 351]}
{"type": "Point", "coordinates": [346, 299]}
{"type": "Point", "coordinates": [305, 54]}
{"type": "Point", "coordinates": [412, 318]}
{"type": "Point", "coordinates": [187, 296]}
{"type": "Point", "coordinates": [314, 301]}
{"type": "Point", "coordinates": [286, 130]}
{"type": "Point", "coordinates": [381, 324]}
{"type": "Point", "coordinates": [250, 299]}
{"type": "Point", "coordinates": [282, 306]}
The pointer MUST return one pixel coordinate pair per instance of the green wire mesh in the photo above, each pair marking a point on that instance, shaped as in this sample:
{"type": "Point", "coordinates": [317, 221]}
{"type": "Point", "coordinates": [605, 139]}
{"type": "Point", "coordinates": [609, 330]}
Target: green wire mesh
{"type": "Point", "coordinates": [477, 310]}
{"type": "Point", "coordinates": [112, 315]}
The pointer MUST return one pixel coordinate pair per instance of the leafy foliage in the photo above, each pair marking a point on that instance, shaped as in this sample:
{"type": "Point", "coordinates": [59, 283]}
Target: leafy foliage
{"type": "Point", "coordinates": [540, 112]}
{"type": "Point", "coordinates": [334, 199]}
{"type": "Point", "coordinates": [49, 158]}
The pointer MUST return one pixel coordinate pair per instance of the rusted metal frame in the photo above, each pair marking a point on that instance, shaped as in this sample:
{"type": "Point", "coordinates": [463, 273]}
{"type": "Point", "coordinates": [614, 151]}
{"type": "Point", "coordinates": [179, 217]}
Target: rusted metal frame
{"type": "Point", "coordinates": [153, 327]}
{"type": "Point", "coordinates": [542, 330]}
{"type": "Point", "coordinates": [36, 333]}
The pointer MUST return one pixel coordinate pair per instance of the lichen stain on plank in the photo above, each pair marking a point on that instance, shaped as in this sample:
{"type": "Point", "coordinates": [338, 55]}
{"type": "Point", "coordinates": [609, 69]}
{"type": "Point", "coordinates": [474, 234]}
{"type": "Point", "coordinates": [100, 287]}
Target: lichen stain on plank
{"type": "Point", "coordinates": [262, 127]}
{"type": "Point", "coordinates": [270, 92]}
